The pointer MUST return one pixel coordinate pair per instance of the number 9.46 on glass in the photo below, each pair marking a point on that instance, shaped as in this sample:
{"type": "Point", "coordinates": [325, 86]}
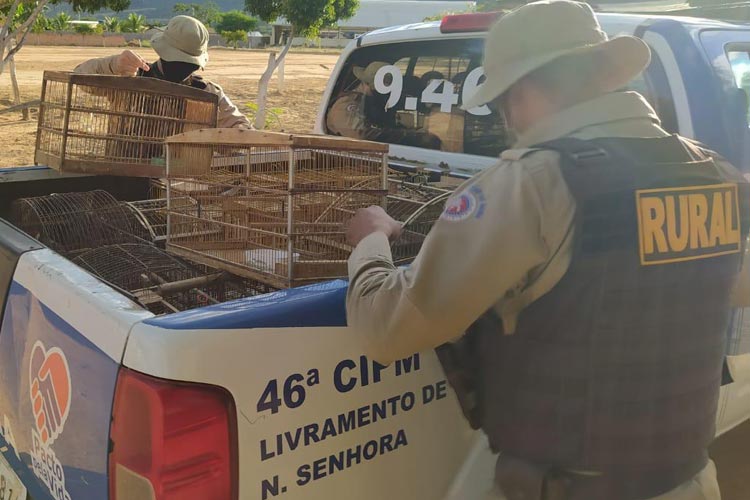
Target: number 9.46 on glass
{"type": "Point", "coordinates": [389, 81]}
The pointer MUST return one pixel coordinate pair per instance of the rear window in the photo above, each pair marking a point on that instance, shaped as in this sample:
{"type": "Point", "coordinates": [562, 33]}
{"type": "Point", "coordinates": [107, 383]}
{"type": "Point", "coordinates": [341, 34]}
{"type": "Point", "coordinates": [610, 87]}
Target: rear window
{"type": "Point", "coordinates": [413, 93]}
{"type": "Point", "coordinates": [739, 59]}
{"type": "Point", "coordinates": [415, 96]}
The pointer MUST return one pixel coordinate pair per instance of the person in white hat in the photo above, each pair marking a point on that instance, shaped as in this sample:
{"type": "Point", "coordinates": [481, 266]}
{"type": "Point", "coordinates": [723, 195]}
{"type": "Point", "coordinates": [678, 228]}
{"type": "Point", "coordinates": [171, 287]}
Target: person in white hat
{"type": "Point", "coordinates": [183, 49]}
{"type": "Point", "coordinates": [359, 114]}
{"type": "Point", "coordinates": [580, 323]}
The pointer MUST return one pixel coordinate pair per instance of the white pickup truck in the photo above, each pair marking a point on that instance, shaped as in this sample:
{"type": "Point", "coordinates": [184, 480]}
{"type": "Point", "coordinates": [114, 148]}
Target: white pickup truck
{"type": "Point", "coordinates": [270, 396]}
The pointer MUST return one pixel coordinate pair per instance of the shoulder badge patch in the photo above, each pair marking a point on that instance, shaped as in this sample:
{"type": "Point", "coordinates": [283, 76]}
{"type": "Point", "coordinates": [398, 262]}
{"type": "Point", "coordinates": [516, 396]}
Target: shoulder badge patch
{"type": "Point", "coordinates": [463, 205]}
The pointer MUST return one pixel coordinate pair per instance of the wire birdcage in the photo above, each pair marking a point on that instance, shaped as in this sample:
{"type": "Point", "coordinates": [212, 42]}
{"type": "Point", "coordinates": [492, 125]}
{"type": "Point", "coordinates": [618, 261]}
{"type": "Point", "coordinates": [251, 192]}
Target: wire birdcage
{"type": "Point", "coordinates": [115, 125]}
{"type": "Point", "coordinates": [270, 206]}
{"type": "Point", "coordinates": [161, 282]}
{"type": "Point", "coordinates": [153, 213]}
{"type": "Point", "coordinates": [72, 222]}
{"type": "Point", "coordinates": [417, 207]}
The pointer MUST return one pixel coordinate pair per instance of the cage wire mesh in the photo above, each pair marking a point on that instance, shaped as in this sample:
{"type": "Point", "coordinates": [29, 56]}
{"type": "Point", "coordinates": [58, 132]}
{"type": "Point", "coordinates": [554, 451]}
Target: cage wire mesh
{"type": "Point", "coordinates": [270, 206]}
{"type": "Point", "coordinates": [115, 125]}
{"type": "Point", "coordinates": [417, 207]}
{"type": "Point", "coordinates": [161, 282]}
{"type": "Point", "coordinates": [153, 213]}
{"type": "Point", "coordinates": [72, 222]}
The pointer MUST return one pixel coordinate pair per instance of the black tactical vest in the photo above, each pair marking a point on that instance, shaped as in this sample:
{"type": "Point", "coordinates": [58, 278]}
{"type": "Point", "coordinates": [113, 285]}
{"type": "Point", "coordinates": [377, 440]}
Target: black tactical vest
{"type": "Point", "coordinates": [617, 369]}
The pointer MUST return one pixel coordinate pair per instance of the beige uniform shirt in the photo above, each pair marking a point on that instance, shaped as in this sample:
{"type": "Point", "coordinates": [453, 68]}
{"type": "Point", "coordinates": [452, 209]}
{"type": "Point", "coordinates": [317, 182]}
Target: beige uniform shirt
{"type": "Point", "coordinates": [229, 115]}
{"type": "Point", "coordinates": [347, 117]}
{"type": "Point", "coordinates": [504, 240]}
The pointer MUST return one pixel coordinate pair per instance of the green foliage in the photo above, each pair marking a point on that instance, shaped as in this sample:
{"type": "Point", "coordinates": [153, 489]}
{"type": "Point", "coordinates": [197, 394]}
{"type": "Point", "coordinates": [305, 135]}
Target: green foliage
{"type": "Point", "coordinates": [24, 10]}
{"type": "Point", "coordinates": [134, 23]}
{"type": "Point", "coordinates": [208, 13]}
{"type": "Point", "coordinates": [41, 24]}
{"type": "Point", "coordinates": [307, 17]}
{"type": "Point", "coordinates": [272, 114]}
{"type": "Point", "coordinates": [494, 5]}
{"type": "Point", "coordinates": [234, 37]}
{"type": "Point", "coordinates": [87, 29]}
{"type": "Point", "coordinates": [61, 22]}
{"type": "Point", "coordinates": [27, 7]}
{"type": "Point", "coordinates": [236, 20]}
{"type": "Point", "coordinates": [111, 24]}
{"type": "Point", "coordinates": [92, 6]}
{"type": "Point", "coordinates": [439, 17]}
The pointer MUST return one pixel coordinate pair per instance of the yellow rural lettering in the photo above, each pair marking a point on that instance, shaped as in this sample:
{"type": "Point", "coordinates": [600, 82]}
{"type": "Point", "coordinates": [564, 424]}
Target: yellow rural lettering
{"type": "Point", "coordinates": [687, 223]}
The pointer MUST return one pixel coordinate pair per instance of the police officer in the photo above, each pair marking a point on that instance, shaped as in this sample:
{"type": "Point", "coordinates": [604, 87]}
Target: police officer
{"type": "Point", "coordinates": [585, 268]}
{"type": "Point", "coordinates": [183, 49]}
{"type": "Point", "coordinates": [360, 113]}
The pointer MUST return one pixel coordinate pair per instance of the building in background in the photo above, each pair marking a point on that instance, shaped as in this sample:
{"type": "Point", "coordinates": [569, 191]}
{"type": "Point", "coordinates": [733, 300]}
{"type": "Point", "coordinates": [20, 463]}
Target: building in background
{"type": "Point", "coordinates": [372, 14]}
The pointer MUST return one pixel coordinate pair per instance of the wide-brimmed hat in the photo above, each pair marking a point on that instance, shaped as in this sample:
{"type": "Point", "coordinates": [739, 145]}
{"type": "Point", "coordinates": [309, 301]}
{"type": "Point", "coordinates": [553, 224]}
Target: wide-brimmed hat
{"type": "Point", "coordinates": [185, 39]}
{"type": "Point", "coordinates": [367, 75]}
{"type": "Point", "coordinates": [538, 33]}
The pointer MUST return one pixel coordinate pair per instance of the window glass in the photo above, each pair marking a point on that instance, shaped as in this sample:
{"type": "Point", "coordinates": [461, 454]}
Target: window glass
{"type": "Point", "coordinates": [654, 86]}
{"type": "Point", "coordinates": [740, 63]}
{"type": "Point", "coordinates": [411, 94]}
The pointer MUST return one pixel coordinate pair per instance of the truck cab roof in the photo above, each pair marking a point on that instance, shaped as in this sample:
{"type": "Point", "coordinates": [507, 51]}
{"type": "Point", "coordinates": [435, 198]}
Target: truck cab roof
{"type": "Point", "coordinates": [618, 21]}
{"type": "Point", "coordinates": [693, 58]}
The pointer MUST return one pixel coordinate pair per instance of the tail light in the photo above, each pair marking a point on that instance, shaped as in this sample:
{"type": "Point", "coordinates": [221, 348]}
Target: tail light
{"type": "Point", "coordinates": [466, 23]}
{"type": "Point", "coordinates": [172, 441]}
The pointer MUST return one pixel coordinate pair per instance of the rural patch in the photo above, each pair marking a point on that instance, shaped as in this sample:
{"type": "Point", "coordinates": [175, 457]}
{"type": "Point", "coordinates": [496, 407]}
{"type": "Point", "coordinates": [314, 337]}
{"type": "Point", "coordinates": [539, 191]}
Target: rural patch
{"type": "Point", "coordinates": [681, 224]}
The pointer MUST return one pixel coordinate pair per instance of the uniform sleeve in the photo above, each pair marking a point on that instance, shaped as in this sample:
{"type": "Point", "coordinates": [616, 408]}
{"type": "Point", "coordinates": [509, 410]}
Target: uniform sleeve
{"type": "Point", "coordinates": [346, 118]}
{"type": "Point", "coordinates": [486, 243]}
{"type": "Point", "coordinates": [229, 115]}
{"type": "Point", "coordinates": [98, 66]}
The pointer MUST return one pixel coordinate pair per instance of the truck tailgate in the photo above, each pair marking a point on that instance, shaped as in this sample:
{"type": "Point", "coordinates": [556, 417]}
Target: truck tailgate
{"type": "Point", "coordinates": [62, 338]}
{"type": "Point", "coordinates": [316, 419]}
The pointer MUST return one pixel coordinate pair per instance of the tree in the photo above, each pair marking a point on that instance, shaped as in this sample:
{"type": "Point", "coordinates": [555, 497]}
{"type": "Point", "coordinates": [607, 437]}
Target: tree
{"type": "Point", "coordinates": [111, 24]}
{"type": "Point", "coordinates": [134, 23]}
{"type": "Point", "coordinates": [61, 22]}
{"type": "Point", "coordinates": [236, 20]}
{"type": "Point", "coordinates": [19, 17]}
{"type": "Point", "coordinates": [42, 24]}
{"type": "Point", "coordinates": [208, 13]}
{"type": "Point", "coordinates": [234, 37]}
{"type": "Point", "coordinates": [306, 18]}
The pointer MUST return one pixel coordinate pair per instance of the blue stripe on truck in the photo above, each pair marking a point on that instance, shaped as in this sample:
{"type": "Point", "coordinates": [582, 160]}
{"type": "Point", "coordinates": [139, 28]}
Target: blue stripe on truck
{"type": "Point", "coordinates": [72, 463]}
{"type": "Point", "coordinates": [310, 306]}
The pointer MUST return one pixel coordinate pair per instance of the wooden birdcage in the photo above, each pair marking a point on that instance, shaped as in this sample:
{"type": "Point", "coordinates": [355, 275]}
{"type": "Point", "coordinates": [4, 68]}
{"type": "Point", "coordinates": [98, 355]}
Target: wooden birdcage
{"type": "Point", "coordinates": [115, 125]}
{"type": "Point", "coordinates": [270, 206]}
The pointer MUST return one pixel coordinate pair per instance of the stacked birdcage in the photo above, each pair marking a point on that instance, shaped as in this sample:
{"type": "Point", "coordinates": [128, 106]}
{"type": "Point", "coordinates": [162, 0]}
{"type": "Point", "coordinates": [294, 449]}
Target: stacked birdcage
{"type": "Point", "coordinates": [115, 125]}
{"type": "Point", "coordinates": [270, 206]}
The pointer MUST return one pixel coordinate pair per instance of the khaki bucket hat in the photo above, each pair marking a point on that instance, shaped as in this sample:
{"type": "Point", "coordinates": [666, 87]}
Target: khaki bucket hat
{"type": "Point", "coordinates": [367, 75]}
{"type": "Point", "coordinates": [185, 39]}
{"type": "Point", "coordinates": [538, 33]}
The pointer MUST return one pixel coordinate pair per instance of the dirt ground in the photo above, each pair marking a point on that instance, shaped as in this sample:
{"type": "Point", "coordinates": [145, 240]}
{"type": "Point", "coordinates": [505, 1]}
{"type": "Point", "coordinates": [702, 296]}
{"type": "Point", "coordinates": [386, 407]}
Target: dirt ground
{"type": "Point", "coordinates": [237, 72]}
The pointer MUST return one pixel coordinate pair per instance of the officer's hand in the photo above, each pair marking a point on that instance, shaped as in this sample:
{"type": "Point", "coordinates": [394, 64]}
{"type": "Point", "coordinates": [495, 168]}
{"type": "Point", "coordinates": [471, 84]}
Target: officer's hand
{"type": "Point", "coordinates": [371, 220]}
{"type": "Point", "coordinates": [128, 63]}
